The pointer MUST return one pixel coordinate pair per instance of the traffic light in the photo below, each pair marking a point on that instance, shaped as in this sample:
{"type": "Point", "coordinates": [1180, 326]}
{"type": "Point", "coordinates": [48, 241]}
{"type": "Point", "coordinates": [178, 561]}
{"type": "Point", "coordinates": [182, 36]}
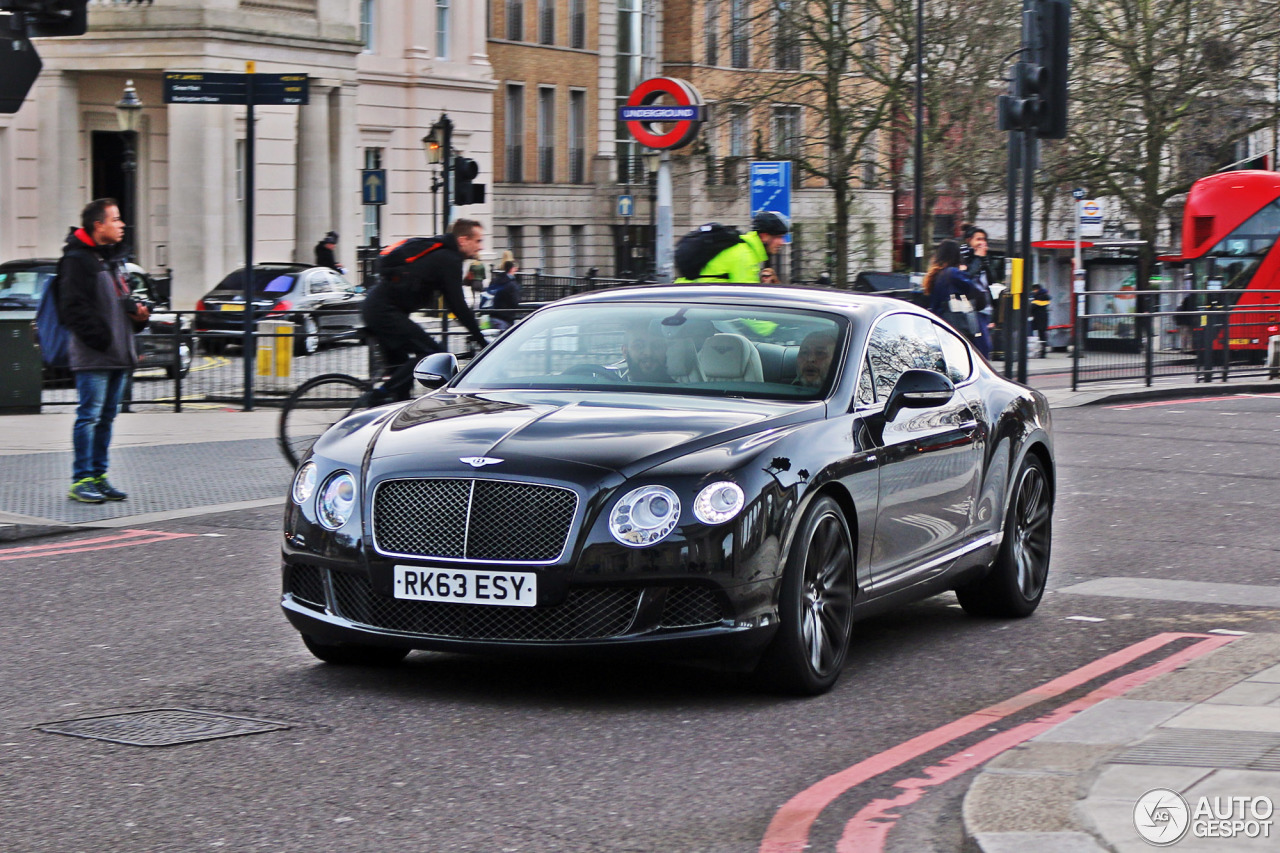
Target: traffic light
{"type": "Point", "coordinates": [1026, 107]}
{"type": "Point", "coordinates": [1053, 28]}
{"type": "Point", "coordinates": [465, 171]}
{"type": "Point", "coordinates": [56, 18]}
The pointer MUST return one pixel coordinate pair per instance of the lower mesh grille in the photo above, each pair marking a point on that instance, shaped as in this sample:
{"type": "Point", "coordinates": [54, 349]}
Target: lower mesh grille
{"type": "Point", "coordinates": [687, 606]}
{"type": "Point", "coordinates": [587, 614]}
{"type": "Point", "coordinates": [307, 585]}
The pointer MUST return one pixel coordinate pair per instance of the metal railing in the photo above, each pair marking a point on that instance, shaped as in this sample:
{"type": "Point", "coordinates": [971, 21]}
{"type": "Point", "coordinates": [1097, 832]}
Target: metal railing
{"type": "Point", "coordinates": [1213, 341]}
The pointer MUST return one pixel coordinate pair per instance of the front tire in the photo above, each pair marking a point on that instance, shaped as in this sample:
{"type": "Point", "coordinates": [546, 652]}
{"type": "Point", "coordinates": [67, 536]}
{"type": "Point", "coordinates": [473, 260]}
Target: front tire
{"type": "Point", "coordinates": [815, 606]}
{"type": "Point", "coordinates": [308, 337]}
{"type": "Point", "coordinates": [1016, 582]}
{"type": "Point", "coordinates": [350, 654]}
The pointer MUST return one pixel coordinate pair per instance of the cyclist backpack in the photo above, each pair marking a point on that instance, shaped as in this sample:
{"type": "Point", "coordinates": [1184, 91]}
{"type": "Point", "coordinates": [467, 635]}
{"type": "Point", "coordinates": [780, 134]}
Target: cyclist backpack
{"type": "Point", "coordinates": [396, 257]}
{"type": "Point", "coordinates": [700, 246]}
{"type": "Point", "coordinates": [54, 339]}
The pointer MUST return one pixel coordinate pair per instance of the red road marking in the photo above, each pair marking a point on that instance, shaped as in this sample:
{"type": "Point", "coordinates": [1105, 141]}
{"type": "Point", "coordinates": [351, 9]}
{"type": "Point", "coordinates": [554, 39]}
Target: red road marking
{"type": "Point", "coordinates": [123, 539]}
{"type": "Point", "coordinates": [867, 831]}
{"type": "Point", "coordinates": [788, 832]}
{"type": "Point", "coordinates": [1189, 400]}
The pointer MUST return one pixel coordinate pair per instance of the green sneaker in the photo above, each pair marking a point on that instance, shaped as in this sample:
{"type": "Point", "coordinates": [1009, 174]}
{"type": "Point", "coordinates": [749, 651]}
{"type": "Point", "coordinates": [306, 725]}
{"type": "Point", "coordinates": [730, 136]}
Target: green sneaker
{"type": "Point", "coordinates": [109, 491]}
{"type": "Point", "coordinates": [86, 491]}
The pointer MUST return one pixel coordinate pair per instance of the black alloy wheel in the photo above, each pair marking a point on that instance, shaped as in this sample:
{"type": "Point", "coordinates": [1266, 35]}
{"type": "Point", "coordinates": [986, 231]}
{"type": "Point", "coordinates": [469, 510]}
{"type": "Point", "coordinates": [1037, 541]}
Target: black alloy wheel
{"type": "Point", "coordinates": [350, 654]}
{"type": "Point", "coordinates": [815, 605]}
{"type": "Point", "coordinates": [1016, 582]}
{"type": "Point", "coordinates": [307, 336]}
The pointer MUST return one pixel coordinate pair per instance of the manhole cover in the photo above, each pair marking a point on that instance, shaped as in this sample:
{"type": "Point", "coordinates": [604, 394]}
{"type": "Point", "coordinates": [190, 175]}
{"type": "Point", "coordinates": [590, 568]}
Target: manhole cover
{"type": "Point", "coordinates": [161, 727]}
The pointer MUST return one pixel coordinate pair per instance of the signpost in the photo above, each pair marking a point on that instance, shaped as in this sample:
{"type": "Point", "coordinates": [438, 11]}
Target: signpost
{"type": "Point", "coordinates": [626, 206]}
{"type": "Point", "coordinates": [771, 187]}
{"type": "Point", "coordinates": [663, 126]}
{"type": "Point", "coordinates": [248, 89]}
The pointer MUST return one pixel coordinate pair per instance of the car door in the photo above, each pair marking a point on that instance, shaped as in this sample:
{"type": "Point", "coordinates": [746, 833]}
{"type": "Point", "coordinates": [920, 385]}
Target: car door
{"type": "Point", "coordinates": [346, 304]}
{"type": "Point", "coordinates": [320, 298]}
{"type": "Point", "coordinates": [930, 459]}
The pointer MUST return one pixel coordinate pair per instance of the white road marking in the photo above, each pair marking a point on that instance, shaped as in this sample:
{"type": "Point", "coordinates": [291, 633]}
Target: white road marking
{"type": "Point", "coordinates": [1199, 592]}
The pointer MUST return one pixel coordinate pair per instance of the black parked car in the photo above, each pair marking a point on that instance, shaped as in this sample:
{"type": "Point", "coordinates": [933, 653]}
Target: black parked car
{"type": "Point", "coordinates": [320, 303]}
{"type": "Point", "coordinates": [727, 474]}
{"type": "Point", "coordinates": [23, 282]}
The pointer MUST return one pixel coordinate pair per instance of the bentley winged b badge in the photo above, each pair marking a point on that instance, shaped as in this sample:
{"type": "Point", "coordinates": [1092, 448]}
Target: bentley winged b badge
{"type": "Point", "coordinates": [479, 461]}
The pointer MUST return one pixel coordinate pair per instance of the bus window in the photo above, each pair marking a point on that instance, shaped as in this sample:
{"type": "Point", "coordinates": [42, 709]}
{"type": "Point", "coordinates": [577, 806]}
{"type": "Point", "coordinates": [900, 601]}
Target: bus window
{"type": "Point", "coordinates": [1232, 263]}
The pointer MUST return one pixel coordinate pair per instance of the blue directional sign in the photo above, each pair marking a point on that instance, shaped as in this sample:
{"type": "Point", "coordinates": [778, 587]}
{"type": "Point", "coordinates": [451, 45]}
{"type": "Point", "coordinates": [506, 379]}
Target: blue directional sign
{"type": "Point", "coordinates": [626, 205]}
{"type": "Point", "coordinates": [771, 187]}
{"type": "Point", "coordinates": [373, 186]}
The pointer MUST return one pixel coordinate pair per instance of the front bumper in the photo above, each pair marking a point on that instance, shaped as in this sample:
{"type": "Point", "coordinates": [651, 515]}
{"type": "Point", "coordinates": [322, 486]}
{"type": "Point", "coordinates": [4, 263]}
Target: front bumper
{"type": "Point", "coordinates": [688, 620]}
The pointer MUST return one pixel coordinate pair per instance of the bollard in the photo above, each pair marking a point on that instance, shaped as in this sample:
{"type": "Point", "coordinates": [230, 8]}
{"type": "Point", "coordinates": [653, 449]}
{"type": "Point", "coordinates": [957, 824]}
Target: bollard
{"type": "Point", "coordinates": [275, 355]}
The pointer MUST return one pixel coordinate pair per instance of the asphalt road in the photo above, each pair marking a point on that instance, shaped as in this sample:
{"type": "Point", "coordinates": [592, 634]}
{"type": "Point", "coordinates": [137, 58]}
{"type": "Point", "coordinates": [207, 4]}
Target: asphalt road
{"type": "Point", "coordinates": [449, 753]}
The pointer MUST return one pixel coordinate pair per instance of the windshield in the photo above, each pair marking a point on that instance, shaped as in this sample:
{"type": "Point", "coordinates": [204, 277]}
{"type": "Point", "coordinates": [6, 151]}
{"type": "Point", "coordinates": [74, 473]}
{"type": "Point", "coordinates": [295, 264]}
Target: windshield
{"type": "Point", "coordinates": [24, 284]}
{"type": "Point", "coordinates": [266, 281]}
{"type": "Point", "coordinates": [703, 350]}
{"type": "Point", "coordinates": [1229, 266]}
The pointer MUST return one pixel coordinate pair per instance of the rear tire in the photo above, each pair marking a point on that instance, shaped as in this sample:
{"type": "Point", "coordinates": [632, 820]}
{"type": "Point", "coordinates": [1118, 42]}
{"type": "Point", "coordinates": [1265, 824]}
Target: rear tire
{"type": "Point", "coordinates": [351, 654]}
{"type": "Point", "coordinates": [316, 405]}
{"type": "Point", "coordinates": [1015, 584]}
{"type": "Point", "coordinates": [815, 606]}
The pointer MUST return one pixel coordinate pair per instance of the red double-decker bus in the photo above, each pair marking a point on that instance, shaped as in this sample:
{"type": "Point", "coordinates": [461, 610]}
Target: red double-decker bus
{"type": "Point", "coordinates": [1230, 232]}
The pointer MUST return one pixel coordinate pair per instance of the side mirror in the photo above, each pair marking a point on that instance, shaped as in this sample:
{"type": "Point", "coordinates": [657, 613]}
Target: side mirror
{"type": "Point", "coordinates": [436, 369]}
{"type": "Point", "coordinates": [918, 389]}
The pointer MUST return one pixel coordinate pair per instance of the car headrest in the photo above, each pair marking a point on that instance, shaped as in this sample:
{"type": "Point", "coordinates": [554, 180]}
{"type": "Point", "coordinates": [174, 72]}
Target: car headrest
{"type": "Point", "coordinates": [728, 356]}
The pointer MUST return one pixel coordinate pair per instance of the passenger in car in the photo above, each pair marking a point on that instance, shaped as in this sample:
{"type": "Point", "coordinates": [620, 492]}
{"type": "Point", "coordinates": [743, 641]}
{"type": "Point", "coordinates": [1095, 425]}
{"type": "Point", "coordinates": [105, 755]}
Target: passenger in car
{"type": "Point", "coordinates": [813, 362]}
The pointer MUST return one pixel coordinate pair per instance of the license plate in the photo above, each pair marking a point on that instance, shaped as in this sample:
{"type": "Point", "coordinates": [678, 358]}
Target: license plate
{"type": "Point", "coordinates": [231, 306]}
{"type": "Point", "coordinates": [466, 586]}
{"type": "Point", "coordinates": [1241, 342]}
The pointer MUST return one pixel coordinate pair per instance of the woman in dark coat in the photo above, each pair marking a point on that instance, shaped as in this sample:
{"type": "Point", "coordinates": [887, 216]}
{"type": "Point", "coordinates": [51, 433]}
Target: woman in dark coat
{"type": "Point", "coordinates": [504, 291]}
{"type": "Point", "coordinates": [949, 290]}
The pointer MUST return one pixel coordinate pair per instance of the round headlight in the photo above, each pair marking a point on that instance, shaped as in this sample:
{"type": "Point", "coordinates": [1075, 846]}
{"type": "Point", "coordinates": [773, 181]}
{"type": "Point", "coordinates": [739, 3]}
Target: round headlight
{"type": "Point", "coordinates": [304, 483]}
{"type": "Point", "coordinates": [718, 503]}
{"type": "Point", "coordinates": [337, 501]}
{"type": "Point", "coordinates": [644, 516]}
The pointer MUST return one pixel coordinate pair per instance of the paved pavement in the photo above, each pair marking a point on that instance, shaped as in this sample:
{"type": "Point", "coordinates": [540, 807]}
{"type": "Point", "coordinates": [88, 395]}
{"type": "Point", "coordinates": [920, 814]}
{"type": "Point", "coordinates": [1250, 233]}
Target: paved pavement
{"type": "Point", "coordinates": [1209, 729]}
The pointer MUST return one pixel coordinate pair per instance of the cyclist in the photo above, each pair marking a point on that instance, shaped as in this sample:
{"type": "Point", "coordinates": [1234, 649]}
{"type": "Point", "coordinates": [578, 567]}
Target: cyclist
{"type": "Point", "coordinates": [740, 263]}
{"type": "Point", "coordinates": [411, 286]}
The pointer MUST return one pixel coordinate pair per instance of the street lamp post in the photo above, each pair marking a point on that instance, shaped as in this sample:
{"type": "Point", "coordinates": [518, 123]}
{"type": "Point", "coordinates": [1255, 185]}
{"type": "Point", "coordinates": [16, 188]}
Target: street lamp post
{"type": "Point", "coordinates": [128, 114]}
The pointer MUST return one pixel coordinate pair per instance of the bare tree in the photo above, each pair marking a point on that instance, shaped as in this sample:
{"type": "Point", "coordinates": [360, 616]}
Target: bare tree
{"type": "Point", "coordinates": [1161, 91]}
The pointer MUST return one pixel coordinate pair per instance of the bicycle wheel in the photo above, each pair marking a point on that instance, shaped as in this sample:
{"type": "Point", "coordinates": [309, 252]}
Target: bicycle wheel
{"type": "Point", "coordinates": [316, 405]}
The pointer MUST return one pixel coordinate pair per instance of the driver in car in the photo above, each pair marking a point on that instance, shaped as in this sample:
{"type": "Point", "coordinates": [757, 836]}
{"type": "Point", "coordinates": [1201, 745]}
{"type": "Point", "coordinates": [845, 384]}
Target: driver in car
{"type": "Point", "coordinates": [646, 356]}
{"type": "Point", "coordinates": [813, 362]}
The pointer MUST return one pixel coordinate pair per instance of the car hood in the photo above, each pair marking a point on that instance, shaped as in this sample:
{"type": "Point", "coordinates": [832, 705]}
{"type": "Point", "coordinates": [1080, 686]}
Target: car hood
{"type": "Point", "coordinates": [627, 433]}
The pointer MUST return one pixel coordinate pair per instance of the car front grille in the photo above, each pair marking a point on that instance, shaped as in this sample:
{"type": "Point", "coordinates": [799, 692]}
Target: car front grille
{"type": "Point", "coordinates": [587, 614]}
{"type": "Point", "coordinates": [465, 519]}
{"type": "Point", "coordinates": [690, 606]}
{"type": "Point", "coordinates": [306, 583]}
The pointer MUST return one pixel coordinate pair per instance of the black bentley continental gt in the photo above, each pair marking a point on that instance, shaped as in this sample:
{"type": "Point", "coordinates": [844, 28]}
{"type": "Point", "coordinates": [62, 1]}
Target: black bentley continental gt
{"type": "Point", "coordinates": [726, 475]}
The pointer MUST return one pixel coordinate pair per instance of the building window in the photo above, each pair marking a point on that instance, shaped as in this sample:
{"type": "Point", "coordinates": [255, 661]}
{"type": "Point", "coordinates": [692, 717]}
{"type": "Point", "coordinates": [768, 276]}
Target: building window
{"type": "Point", "coordinates": [739, 33]}
{"type": "Point", "coordinates": [578, 24]}
{"type": "Point", "coordinates": [547, 244]}
{"type": "Point", "coordinates": [786, 42]}
{"type": "Point", "coordinates": [546, 134]}
{"type": "Point", "coordinates": [514, 133]}
{"type": "Point", "coordinates": [868, 164]}
{"type": "Point", "coordinates": [577, 136]}
{"type": "Point", "coordinates": [368, 25]}
{"type": "Point", "coordinates": [786, 132]}
{"type": "Point", "coordinates": [372, 160]}
{"type": "Point", "coordinates": [515, 20]}
{"type": "Point", "coordinates": [711, 30]}
{"type": "Point", "coordinates": [515, 242]}
{"type": "Point", "coordinates": [577, 250]}
{"type": "Point", "coordinates": [442, 29]}
{"type": "Point", "coordinates": [546, 21]}
{"type": "Point", "coordinates": [739, 130]}
{"type": "Point", "coordinates": [630, 60]}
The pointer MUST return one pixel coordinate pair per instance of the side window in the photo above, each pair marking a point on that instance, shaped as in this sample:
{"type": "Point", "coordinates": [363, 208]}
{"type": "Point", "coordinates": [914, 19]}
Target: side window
{"type": "Point", "coordinates": [319, 283]}
{"type": "Point", "coordinates": [340, 284]}
{"type": "Point", "coordinates": [959, 364]}
{"type": "Point", "coordinates": [899, 342]}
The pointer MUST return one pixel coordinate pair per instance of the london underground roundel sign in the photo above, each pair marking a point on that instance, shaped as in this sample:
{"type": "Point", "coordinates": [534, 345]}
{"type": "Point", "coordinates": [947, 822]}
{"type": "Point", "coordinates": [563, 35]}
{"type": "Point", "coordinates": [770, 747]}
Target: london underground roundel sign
{"type": "Point", "coordinates": [644, 115]}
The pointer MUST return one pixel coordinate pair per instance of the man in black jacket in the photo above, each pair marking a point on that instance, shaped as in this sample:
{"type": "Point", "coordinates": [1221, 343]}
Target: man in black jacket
{"type": "Point", "coordinates": [411, 287]}
{"type": "Point", "coordinates": [96, 306]}
{"type": "Point", "coordinates": [324, 253]}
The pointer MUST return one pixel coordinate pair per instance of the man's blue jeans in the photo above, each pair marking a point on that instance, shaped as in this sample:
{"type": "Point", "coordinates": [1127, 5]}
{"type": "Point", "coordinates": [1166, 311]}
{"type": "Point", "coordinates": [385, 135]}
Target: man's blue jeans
{"type": "Point", "coordinates": [99, 392]}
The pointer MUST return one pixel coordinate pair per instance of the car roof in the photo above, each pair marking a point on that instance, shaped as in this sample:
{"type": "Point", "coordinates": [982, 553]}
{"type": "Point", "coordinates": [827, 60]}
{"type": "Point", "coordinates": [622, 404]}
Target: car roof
{"type": "Point", "coordinates": [28, 263]}
{"type": "Point", "coordinates": [781, 296]}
